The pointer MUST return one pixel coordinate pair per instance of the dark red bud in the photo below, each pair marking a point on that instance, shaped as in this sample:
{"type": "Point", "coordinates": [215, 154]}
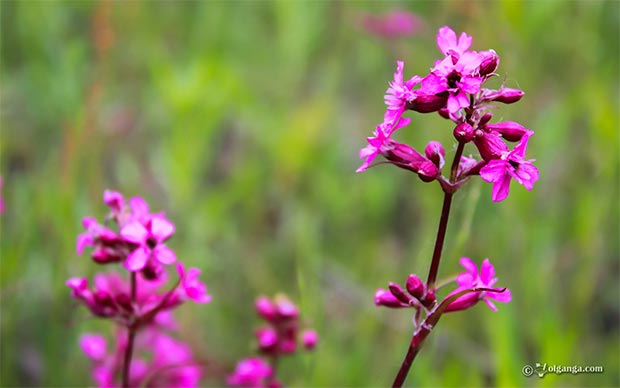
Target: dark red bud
{"type": "Point", "coordinates": [428, 103]}
{"type": "Point", "coordinates": [436, 153]}
{"type": "Point", "coordinates": [428, 172]}
{"type": "Point", "coordinates": [510, 130]}
{"type": "Point", "coordinates": [415, 286]}
{"type": "Point", "coordinates": [445, 113]}
{"type": "Point", "coordinates": [464, 133]}
{"type": "Point", "coordinates": [505, 95]}
{"type": "Point", "coordinates": [429, 299]}
{"type": "Point", "coordinates": [489, 145]}
{"type": "Point", "coordinates": [485, 118]}
{"type": "Point", "coordinates": [399, 293]}
{"type": "Point", "coordinates": [489, 63]}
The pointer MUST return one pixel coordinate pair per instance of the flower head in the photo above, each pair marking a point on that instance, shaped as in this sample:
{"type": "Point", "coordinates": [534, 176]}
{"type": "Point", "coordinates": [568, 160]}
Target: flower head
{"type": "Point", "coordinates": [472, 278]}
{"type": "Point", "coordinates": [250, 373]}
{"type": "Point", "coordinates": [512, 165]}
{"type": "Point", "coordinates": [149, 238]}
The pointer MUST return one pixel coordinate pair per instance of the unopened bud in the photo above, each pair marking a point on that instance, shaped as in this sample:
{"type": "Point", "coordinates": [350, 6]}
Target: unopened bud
{"type": "Point", "coordinates": [309, 338]}
{"type": "Point", "coordinates": [399, 293]}
{"type": "Point", "coordinates": [386, 299]}
{"type": "Point", "coordinates": [427, 171]}
{"type": "Point", "coordinates": [415, 286]}
{"type": "Point", "coordinates": [429, 299]}
{"type": "Point", "coordinates": [436, 153]}
{"type": "Point", "coordinates": [510, 130]}
{"type": "Point", "coordinates": [485, 118]}
{"type": "Point", "coordinates": [265, 308]}
{"type": "Point", "coordinates": [464, 133]}
{"type": "Point", "coordinates": [489, 62]}
{"type": "Point", "coordinates": [445, 113]}
{"type": "Point", "coordinates": [403, 154]}
{"type": "Point", "coordinates": [428, 103]}
{"type": "Point", "coordinates": [504, 95]}
{"type": "Point", "coordinates": [267, 339]}
{"type": "Point", "coordinates": [489, 145]}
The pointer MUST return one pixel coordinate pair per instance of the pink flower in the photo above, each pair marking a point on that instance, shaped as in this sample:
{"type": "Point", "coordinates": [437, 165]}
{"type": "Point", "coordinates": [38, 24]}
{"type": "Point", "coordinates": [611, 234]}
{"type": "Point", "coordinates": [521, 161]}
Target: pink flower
{"type": "Point", "coordinates": [149, 237]}
{"type": "Point", "coordinates": [250, 373]}
{"type": "Point", "coordinates": [399, 92]}
{"type": "Point", "coordinates": [511, 165]}
{"type": "Point", "coordinates": [394, 24]}
{"type": "Point", "coordinates": [191, 286]}
{"type": "Point", "coordinates": [449, 45]}
{"type": "Point", "coordinates": [94, 346]}
{"type": "Point", "coordinates": [309, 338]}
{"type": "Point", "coordinates": [380, 142]}
{"type": "Point", "coordinates": [473, 279]}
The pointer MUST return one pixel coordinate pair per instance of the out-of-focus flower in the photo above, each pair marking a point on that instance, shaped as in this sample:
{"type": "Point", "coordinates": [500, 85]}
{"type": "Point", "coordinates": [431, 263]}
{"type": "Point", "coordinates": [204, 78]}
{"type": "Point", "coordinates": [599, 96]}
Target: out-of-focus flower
{"type": "Point", "coordinates": [171, 363]}
{"type": "Point", "coordinates": [309, 339]}
{"type": "Point", "coordinates": [471, 278]}
{"type": "Point", "coordinates": [149, 239]}
{"type": "Point", "coordinates": [394, 24]}
{"type": "Point", "coordinates": [250, 373]}
{"type": "Point", "coordinates": [193, 288]}
{"type": "Point", "coordinates": [511, 165]}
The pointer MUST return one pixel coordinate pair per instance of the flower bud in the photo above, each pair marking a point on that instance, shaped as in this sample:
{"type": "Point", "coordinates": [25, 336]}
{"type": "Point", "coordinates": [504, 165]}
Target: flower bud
{"type": "Point", "coordinates": [265, 308]}
{"type": "Point", "coordinates": [428, 103]}
{"type": "Point", "coordinates": [436, 153]}
{"type": "Point", "coordinates": [445, 113]}
{"type": "Point", "coordinates": [489, 62]}
{"type": "Point", "coordinates": [285, 308]}
{"type": "Point", "coordinates": [489, 145]}
{"type": "Point", "coordinates": [464, 302]}
{"type": "Point", "coordinates": [509, 130]}
{"type": "Point", "coordinates": [428, 171]}
{"type": "Point", "coordinates": [415, 286]}
{"type": "Point", "coordinates": [403, 154]}
{"type": "Point", "coordinates": [504, 95]}
{"type": "Point", "coordinates": [429, 298]}
{"type": "Point", "coordinates": [104, 255]}
{"type": "Point", "coordinates": [114, 200]}
{"type": "Point", "coordinates": [309, 338]}
{"type": "Point", "coordinates": [267, 339]}
{"type": "Point", "coordinates": [399, 293]}
{"type": "Point", "coordinates": [485, 118]}
{"type": "Point", "coordinates": [386, 299]}
{"type": "Point", "coordinates": [464, 133]}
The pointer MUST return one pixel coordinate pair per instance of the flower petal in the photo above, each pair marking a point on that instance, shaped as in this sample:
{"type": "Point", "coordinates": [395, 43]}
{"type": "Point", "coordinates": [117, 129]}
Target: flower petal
{"type": "Point", "coordinates": [137, 259]}
{"type": "Point", "coordinates": [161, 228]}
{"type": "Point", "coordinates": [164, 255]}
{"type": "Point", "coordinates": [135, 232]}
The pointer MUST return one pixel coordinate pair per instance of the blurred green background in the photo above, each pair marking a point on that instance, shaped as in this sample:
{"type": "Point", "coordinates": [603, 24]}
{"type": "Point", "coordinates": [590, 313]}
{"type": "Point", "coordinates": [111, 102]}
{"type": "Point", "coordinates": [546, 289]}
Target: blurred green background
{"type": "Point", "coordinates": [243, 120]}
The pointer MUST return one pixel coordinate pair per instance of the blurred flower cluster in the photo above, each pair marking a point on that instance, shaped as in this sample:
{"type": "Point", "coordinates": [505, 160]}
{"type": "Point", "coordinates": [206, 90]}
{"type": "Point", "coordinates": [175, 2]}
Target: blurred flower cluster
{"type": "Point", "coordinates": [138, 299]}
{"type": "Point", "coordinates": [455, 89]}
{"type": "Point", "coordinates": [280, 337]}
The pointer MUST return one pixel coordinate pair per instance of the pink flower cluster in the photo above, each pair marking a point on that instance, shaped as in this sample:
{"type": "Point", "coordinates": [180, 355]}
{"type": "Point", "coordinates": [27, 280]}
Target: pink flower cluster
{"type": "Point", "coordinates": [423, 300]}
{"type": "Point", "coordinates": [137, 300]}
{"type": "Point", "coordinates": [279, 337]}
{"type": "Point", "coordinates": [455, 89]}
{"type": "Point", "coordinates": [163, 361]}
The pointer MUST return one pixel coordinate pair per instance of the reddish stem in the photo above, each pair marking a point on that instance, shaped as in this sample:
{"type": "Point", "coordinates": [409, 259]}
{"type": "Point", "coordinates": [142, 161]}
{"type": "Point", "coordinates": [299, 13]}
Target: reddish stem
{"type": "Point", "coordinates": [131, 335]}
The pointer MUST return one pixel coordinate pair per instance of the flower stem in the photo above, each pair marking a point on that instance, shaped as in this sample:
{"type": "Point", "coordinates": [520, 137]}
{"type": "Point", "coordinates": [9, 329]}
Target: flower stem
{"type": "Point", "coordinates": [128, 354]}
{"type": "Point", "coordinates": [420, 335]}
{"type": "Point", "coordinates": [441, 234]}
{"type": "Point", "coordinates": [131, 335]}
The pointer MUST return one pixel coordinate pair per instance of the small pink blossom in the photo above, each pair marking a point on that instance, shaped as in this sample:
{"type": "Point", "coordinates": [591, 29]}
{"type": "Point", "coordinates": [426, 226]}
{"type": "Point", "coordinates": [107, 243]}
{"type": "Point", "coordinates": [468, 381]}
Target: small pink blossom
{"type": "Point", "coordinates": [94, 346]}
{"type": "Point", "coordinates": [471, 278]}
{"type": "Point", "coordinates": [511, 165]}
{"type": "Point", "coordinates": [399, 92]}
{"type": "Point", "coordinates": [449, 45]}
{"type": "Point", "coordinates": [250, 373]}
{"type": "Point", "coordinates": [309, 339]}
{"type": "Point", "coordinates": [394, 24]}
{"type": "Point", "coordinates": [191, 286]}
{"type": "Point", "coordinates": [149, 239]}
{"type": "Point", "coordinates": [379, 143]}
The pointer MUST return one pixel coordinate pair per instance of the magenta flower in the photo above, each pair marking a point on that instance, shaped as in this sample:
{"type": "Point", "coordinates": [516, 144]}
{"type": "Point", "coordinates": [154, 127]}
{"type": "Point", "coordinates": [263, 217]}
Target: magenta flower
{"type": "Point", "coordinates": [511, 165]}
{"type": "Point", "coordinates": [94, 346]}
{"type": "Point", "coordinates": [394, 24]}
{"type": "Point", "coordinates": [309, 338]}
{"type": "Point", "coordinates": [250, 373]}
{"type": "Point", "coordinates": [379, 143]}
{"type": "Point", "coordinates": [193, 288]}
{"type": "Point", "coordinates": [150, 239]}
{"type": "Point", "coordinates": [399, 92]}
{"type": "Point", "coordinates": [473, 279]}
{"type": "Point", "coordinates": [449, 45]}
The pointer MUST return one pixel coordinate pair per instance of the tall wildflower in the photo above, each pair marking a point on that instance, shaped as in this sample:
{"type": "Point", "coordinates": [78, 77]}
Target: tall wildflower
{"type": "Point", "coordinates": [139, 298]}
{"type": "Point", "coordinates": [279, 337]}
{"type": "Point", "coordinates": [455, 89]}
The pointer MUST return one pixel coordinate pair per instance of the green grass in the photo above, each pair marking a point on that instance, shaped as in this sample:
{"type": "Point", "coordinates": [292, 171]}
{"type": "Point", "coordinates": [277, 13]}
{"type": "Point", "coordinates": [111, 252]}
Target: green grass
{"type": "Point", "coordinates": [243, 121]}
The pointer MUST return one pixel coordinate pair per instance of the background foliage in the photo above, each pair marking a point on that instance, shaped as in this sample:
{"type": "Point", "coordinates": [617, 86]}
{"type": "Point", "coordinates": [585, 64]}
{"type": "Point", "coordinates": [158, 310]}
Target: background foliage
{"type": "Point", "coordinates": [243, 121]}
